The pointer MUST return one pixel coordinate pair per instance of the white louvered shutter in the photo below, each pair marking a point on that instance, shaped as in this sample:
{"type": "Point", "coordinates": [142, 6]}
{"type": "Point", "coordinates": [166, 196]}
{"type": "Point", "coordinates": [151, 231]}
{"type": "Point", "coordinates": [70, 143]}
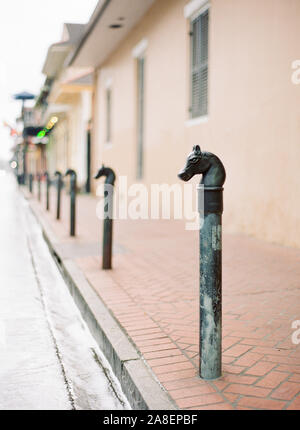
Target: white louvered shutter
{"type": "Point", "coordinates": [199, 65]}
{"type": "Point", "coordinates": [141, 104]}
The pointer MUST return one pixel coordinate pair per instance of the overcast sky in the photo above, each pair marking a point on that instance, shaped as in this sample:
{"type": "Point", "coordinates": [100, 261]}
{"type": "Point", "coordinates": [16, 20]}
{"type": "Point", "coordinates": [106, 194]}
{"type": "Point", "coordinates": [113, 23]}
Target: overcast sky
{"type": "Point", "coordinates": [27, 28]}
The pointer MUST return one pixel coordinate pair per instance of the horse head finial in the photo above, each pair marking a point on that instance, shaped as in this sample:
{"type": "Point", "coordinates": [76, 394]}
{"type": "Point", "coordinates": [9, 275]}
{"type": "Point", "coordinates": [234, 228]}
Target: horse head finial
{"type": "Point", "coordinates": [71, 172]}
{"type": "Point", "coordinates": [108, 172]}
{"type": "Point", "coordinates": [195, 164]}
{"type": "Point", "coordinates": [206, 164]}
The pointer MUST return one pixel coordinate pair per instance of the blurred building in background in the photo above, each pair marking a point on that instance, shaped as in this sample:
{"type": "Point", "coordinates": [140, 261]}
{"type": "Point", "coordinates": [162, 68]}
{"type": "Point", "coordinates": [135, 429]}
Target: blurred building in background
{"type": "Point", "coordinates": [144, 81]}
{"type": "Point", "coordinates": [66, 100]}
{"type": "Point", "coordinates": [28, 151]}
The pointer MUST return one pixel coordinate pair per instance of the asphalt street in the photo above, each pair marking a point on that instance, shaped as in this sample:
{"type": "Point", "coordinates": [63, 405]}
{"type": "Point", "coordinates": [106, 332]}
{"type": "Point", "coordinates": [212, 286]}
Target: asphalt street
{"type": "Point", "coordinates": [48, 358]}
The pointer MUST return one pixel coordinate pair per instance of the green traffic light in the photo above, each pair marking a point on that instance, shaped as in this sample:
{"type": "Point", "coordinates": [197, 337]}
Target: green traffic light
{"type": "Point", "coordinates": [41, 134]}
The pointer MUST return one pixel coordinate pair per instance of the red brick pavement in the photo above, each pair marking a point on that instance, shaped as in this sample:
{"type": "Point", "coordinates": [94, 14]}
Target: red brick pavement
{"type": "Point", "coordinates": [153, 293]}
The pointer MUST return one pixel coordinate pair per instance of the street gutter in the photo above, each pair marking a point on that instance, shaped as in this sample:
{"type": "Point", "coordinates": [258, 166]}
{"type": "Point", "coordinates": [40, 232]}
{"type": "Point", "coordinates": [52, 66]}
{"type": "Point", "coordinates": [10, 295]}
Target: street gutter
{"type": "Point", "coordinates": [139, 384]}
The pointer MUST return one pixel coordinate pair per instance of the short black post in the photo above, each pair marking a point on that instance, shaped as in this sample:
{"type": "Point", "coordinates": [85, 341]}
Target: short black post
{"type": "Point", "coordinates": [48, 183]}
{"type": "Point", "coordinates": [212, 169]}
{"type": "Point", "coordinates": [108, 216]}
{"type": "Point", "coordinates": [39, 177]}
{"type": "Point", "coordinates": [59, 184]}
{"type": "Point", "coordinates": [73, 181]}
{"type": "Point", "coordinates": [30, 182]}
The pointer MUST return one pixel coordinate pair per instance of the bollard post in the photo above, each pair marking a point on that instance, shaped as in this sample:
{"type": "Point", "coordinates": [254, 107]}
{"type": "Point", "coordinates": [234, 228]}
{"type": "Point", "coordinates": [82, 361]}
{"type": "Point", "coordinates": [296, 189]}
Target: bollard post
{"type": "Point", "coordinates": [39, 177]}
{"type": "Point", "coordinates": [59, 184]}
{"type": "Point", "coordinates": [30, 182]}
{"type": "Point", "coordinates": [48, 182]}
{"type": "Point", "coordinates": [108, 217]}
{"type": "Point", "coordinates": [19, 178]}
{"type": "Point", "coordinates": [73, 180]}
{"type": "Point", "coordinates": [213, 178]}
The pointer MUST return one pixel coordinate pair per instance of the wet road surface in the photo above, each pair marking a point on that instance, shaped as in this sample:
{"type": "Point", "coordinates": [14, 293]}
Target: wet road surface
{"type": "Point", "coordinates": [48, 358]}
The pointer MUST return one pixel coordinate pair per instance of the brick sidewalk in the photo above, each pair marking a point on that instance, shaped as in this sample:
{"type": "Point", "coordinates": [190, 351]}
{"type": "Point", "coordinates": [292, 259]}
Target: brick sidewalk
{"type": "Point", "coordinates": [153, 292]}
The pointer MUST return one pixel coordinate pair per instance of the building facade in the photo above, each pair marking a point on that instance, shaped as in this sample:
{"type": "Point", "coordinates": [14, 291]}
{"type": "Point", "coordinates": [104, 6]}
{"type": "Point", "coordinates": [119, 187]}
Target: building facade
{"type": "Point", "coordinates": [66, 105]}
{"type": "Point", "coordinates": [170, 74]}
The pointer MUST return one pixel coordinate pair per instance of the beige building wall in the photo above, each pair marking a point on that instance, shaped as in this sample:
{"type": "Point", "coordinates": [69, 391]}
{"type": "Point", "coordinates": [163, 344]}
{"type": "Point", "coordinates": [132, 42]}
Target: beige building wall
{"type": "Point", "coordinates": [253, 123]}
{"type": "Point", "coordinates": [60, 137]}
{"type": "Point", "coordinates": [70, 134]}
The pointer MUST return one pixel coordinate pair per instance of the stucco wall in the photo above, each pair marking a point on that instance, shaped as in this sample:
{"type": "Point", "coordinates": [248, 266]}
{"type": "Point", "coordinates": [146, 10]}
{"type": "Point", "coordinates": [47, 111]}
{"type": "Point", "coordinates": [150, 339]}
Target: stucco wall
{"type": "Point", "coordinates": [254, 111]}
{"type": "Point", "coordinates": [70, 136]}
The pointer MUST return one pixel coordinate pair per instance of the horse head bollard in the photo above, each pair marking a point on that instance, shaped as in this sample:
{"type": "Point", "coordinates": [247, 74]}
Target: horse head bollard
{"type": "Point", "coordinates": [213, 178]}
{"type": "Point", "coordinates": [108, 215]}
{"type": "Point", "coordinates": [108, 172]}
{"type": "Point", "coordinates": [59, 184]}
{"type": "Point", "coordinates": [73, 185]}
{"type": "Point", "coordinates": [48, 183]}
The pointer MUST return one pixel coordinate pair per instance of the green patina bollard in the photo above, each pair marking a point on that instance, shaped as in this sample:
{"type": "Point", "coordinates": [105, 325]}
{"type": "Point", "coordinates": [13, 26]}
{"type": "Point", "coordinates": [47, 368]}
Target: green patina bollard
{"type": "Point", "coordinates": [108, 216]}
{"type": "Point", "coordinates": [73, 185]}
{"type": "Point", "coordinates": [48, 183]}
{"type": "Point", "coordinates": [212, 169]}
{"type": "Point", "coordinates": [59, 184]}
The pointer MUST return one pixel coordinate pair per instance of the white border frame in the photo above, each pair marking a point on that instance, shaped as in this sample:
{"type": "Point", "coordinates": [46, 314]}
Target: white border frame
{"type": "Point", "coordinates": [194, 8]}
{"type": "Point", "coordinates": [108, 83]}
{"type": "Point", "coordinates": [139, 49]}
{"type": "Point", "coordinates": [196, 121]}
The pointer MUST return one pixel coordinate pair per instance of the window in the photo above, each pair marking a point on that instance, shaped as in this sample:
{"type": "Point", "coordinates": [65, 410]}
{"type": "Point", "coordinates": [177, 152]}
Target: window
{"type": "Point", "coordinates": [108, 115]}
{"type": "Point", "coordinates": [138, 54]}
{"type": "Point", "coordinates": [199, 65]}
{"type": "Point", "coordinates": [140, 115]}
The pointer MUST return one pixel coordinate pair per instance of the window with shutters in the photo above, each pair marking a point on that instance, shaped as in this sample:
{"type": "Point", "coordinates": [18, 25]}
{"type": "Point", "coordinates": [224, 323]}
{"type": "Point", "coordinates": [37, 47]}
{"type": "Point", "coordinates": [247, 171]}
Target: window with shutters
{"type": "Point", "coordinates": [199, 65]}
{"type": "Point", "coordinates": [140, 115]}
{"type": "Point", "coordinates": [108, 115]}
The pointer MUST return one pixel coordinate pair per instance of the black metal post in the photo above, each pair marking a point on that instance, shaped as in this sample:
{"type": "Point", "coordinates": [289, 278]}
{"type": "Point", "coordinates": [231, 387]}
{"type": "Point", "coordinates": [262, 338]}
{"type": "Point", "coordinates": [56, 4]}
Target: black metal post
{"type": "Point", "coordinates": [212, 169]}
{"type": "Point", "coordinates": [88, 163]}
{"type": "Point", "coordinates": [39, 177]}
{"type": "Point", "coordinates": [48, 183]}
{"type": "Point", "coordinates": [108, 216]}
{"type": "Point", "coordinates": [73, 181]}
{"type": "Point", "coordinates": [20, 178]}
{"type": "Point", "coordinates": [30, 182]}
{"type": "Point", "coordinates": [59, 184]}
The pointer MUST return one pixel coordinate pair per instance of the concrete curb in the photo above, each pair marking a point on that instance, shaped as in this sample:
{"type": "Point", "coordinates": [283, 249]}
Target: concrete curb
{"type": "Point", "coordinates": [137, 380]}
